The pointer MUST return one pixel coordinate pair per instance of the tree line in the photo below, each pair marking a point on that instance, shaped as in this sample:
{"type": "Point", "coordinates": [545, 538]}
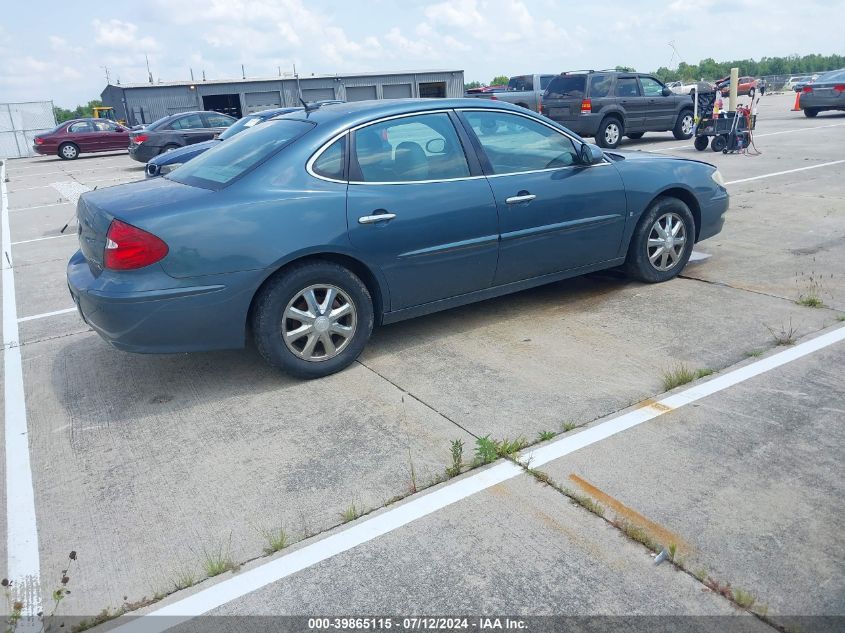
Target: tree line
{"type": "Point", "coordinates": [81, 112]}
{"type": "Point", "coordinates": [711, 69]}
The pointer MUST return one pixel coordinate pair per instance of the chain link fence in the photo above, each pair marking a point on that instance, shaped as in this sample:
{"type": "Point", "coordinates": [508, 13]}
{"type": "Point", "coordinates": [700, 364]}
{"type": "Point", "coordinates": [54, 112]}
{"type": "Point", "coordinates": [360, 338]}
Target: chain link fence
{"type": "Point", "coordinates": [19, 124]}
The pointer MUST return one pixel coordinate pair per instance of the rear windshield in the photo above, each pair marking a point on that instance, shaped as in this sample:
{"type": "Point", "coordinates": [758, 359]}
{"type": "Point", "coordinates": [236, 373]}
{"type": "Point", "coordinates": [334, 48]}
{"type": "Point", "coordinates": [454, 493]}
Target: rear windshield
{"type": "Point", "coordinates": [523, 82]}
{"type": "Point", "coordinates": [239, 126]}
{"type": "Point", "coordinates": [565, 86]}
{"type": "Point", "coordinates": [220, 165]}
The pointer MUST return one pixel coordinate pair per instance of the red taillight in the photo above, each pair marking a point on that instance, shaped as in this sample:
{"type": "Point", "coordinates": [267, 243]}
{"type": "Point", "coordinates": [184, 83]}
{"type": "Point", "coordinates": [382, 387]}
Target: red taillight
{"type": "Point", "coordinates": [128, 247]}
{"type": "Point", "coordinates": [586, 106]}
{"type": "Point", "coordinates": [39, 140]}
{"type": "Point", "coordinates": [807, 89]}
{"type": "Point", "coordinates": [140, 138]}
{"type": "Point", "coordinates": [839, 88]}
{"type": "Point", "coordinates": [494, 98]}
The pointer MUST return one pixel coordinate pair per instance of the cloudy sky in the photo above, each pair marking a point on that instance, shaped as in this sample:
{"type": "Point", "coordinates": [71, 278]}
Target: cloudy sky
{"type": "Point", "coordinates": [57, 49]}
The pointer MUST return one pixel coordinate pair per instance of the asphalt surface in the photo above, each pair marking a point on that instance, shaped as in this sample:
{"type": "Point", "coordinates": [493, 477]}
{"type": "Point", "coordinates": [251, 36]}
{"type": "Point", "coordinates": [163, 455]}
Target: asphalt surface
{"type": "Point", "coordinates": [150, 466]}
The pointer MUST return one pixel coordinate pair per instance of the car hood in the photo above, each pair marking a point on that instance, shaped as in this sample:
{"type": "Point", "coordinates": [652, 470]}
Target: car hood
{"type": "Point", "coordinates": [183, 154]}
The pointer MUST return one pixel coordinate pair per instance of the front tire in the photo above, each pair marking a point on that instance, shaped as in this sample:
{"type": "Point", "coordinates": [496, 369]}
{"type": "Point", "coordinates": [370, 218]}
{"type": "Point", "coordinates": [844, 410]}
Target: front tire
{"type": "Point", "coordinates": [313, 319]}
{"type": "Point", "coordinates": [662, 242]}
{"type": "Point", "coordinates": [683, 126]}
{"type": "Point", "coordinates": [68, 151]}
{"type": "Point", "coordinates": [810, 112]}
{"type": "Point", "coordinates": [609, 133]}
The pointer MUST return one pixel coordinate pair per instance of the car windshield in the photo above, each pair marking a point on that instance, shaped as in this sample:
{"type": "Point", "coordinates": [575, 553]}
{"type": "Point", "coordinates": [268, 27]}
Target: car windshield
{"type": "Point", "coordinates": [220, 165]}
{"type": "Point", "coordinates": [566, 86]}
{"type": "Point", "coordinates": [239, 126]}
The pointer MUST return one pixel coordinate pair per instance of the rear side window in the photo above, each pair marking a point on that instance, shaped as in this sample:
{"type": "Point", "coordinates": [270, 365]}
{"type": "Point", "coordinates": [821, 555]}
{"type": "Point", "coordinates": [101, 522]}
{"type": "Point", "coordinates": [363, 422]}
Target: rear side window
{"type": "Point", "coordinates": [523, 82]}
{"type": "Point", "coordinates": [566, 86]}
{"type": "Point", "coordinates": [82, 126]}
{"type": "Point", "coordinates": [627, 87]}
{"type": "Point", "coordinates": [219, 166]}
{"type": "Point", "coordinates": [600, 86]}
{"type": "Point", "coordinates": [219, 120]}
{"type": "Point", "coordinates": [190, 122]}
{"type": "Point", "coordinates": [330, 164]}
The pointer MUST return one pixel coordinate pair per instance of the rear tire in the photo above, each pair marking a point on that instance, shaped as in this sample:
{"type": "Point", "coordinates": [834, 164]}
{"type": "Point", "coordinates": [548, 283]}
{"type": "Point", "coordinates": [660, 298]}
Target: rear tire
{"type": "Point", "coordinates": [609, 133]}
{"type": "Point", "coordinates": [635, 135]}
{"type": "Point", "coordinates": [338, 331]}
{"type": "Point", "coordinates": [719, 143]}
{"type": "Point", "coordinates": [701, 143]}
{"type": "Point", "coordinates": [810, 112]}
{"type": "Point", "coordinates": [646, 260]}
{"type": "Point", "coordinates": [684, 125]}
{"type": "Point", "coordinates": [68, 151]}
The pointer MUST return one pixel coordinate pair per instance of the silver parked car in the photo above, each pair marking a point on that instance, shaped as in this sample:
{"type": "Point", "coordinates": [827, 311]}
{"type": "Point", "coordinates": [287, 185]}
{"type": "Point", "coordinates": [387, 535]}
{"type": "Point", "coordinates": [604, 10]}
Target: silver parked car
{"type": "Point", "coordinates": [825, 93]}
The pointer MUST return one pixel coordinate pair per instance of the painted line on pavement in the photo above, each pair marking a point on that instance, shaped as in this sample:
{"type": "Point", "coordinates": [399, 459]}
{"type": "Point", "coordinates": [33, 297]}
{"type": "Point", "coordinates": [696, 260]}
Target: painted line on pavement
{"type": "Point", "coordinates": [41, 239]}
{"type": "Point", "coordinates": [367, 529]}
{"type": "Point", "coordinates": [781, 173]}
{"type": "Point", "coordinates": [41, 206]}
{"type": "Point", "coordinates": [23, 565]}
{"type": "Point", "coordinates": [45, 315]}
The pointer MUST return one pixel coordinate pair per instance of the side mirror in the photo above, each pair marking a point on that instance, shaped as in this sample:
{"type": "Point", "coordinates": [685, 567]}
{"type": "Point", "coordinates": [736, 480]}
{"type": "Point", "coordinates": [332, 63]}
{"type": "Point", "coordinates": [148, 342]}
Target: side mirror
{"type": "Point", "coordinates": [667, 92]}
{"type": "Point", "coordinates": [590, 154]}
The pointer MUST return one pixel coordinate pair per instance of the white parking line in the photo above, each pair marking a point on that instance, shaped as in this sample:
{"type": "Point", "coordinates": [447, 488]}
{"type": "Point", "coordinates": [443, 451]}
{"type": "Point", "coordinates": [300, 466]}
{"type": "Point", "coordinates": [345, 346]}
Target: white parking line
{"type": "Point", "coordinates": [21, 528]}
{"type": "Point", "coordinates": [44, 315]}
{"type": "Point", "coordinates": [803, 129]}
{"type": "Point", "coordinates": [41, 239]}
{"type": "Point", "coordinates": [788, 171]}
{"type": "Point", "coordinates": [368, 529]}
{"type": "Point", "coordinates": [41, 206]}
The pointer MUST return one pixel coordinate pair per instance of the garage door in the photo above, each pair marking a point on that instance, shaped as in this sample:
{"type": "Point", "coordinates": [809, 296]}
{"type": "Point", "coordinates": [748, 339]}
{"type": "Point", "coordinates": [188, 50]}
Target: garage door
{"type": "Point", "coordinates": [397, 91]}
{"type": "Point", "coordinates": [317, 94]}
{"type": "Point", "coordinates": [258, 101]}
{"type": "Point", "coordinates": [360, 93]}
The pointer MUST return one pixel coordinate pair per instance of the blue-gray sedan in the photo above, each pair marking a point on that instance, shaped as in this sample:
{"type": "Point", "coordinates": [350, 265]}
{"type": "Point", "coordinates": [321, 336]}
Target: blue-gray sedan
{"type": "Point", "coordinates": [306, 231]}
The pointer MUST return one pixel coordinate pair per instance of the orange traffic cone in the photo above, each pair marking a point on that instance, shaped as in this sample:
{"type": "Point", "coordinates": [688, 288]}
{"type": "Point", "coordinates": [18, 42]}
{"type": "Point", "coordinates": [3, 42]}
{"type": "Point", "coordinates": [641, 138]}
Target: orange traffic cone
{"type": "Point", "coordinates": [797, 105]}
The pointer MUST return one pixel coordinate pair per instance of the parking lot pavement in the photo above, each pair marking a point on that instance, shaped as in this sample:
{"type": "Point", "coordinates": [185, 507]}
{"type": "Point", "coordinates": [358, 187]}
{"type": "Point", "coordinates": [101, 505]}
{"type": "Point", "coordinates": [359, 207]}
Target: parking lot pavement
{"type": "Point", "coordinates": [149, 465]}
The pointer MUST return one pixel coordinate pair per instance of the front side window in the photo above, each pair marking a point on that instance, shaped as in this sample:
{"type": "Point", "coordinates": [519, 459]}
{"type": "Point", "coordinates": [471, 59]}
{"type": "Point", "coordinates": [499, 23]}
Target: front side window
{"type": "Point", "coordinates": [219, 166]}
{"type": "Point", "coordinates": [330, 164]}
{"type": "Point", "coordinates": [408, 149]}
{"type": "Point", "coordinates": [627, 87]}
{"type": "Point", "coordinates": [516, 144]}
{"type": "Point", "coordinates": [189, 122]}
{"type": "Point", "coordinates": [651, 87]}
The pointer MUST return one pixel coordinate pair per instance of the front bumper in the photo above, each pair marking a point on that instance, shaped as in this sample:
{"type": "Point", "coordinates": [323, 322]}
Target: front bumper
{"type": "Point", "coordinates": [163, 320]}
{"type": "Point", "coordinates": [713, 215]}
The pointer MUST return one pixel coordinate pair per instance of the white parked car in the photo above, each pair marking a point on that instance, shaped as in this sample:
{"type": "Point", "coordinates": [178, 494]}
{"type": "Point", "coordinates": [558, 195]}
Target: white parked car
{"type": "Point", "coordinates": [687, 87]}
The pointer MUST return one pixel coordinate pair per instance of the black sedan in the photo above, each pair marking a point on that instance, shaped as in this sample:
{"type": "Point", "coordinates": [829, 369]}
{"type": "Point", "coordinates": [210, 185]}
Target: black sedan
{"type": "Point", "coordinates": [176, 130]}
{"type": "Point", "coordinates": [825, 93]}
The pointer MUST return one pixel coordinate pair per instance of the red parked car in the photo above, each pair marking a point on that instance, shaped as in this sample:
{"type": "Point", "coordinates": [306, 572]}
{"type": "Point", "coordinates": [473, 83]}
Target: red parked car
{"type": "Point", "coordinates": [746, 86]}
{"type": "Point", "coordinates": [80, 136]}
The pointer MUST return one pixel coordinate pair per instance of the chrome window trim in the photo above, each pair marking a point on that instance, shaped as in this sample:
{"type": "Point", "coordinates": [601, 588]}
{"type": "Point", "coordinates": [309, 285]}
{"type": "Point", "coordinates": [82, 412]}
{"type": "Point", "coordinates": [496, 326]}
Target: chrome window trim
{"type": "Point", "coordinates": [309, 165]}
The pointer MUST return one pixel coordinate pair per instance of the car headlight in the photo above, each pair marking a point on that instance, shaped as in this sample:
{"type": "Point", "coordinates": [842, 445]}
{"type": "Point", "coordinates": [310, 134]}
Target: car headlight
{"type": "Point", "coordinates": [166, 169]}
{"type": "Point", "coordinates": [717, 178]}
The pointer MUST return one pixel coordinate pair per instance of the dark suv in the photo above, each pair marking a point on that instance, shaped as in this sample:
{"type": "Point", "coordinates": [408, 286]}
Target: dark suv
{"type": "Point", "coordinates": [610, 104]}
{"type": "Point", "coordinates": [176, 130]}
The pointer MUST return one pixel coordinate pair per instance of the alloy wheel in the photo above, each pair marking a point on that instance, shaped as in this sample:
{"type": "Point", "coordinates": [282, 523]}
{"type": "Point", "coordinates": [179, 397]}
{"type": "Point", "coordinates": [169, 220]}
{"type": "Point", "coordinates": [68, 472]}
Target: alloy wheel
{"type": "Point", "coordinates": [686, 124]}
{"type": "Point", "coordinates": [611, 133]}
{"type": "Point", "coordinates": [319, 322]}
{"type": "Point", "coordinates": [666, 241]}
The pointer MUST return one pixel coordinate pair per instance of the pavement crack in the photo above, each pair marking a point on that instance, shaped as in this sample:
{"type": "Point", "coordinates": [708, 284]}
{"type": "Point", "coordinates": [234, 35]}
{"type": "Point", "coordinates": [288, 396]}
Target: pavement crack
{"type": "Point", "coordinates": [418, 399]}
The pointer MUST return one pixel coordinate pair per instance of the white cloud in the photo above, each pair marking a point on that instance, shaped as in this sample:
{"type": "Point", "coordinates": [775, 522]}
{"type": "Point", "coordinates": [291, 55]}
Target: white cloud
{"type": "Point", "coordinates": [118, 34]}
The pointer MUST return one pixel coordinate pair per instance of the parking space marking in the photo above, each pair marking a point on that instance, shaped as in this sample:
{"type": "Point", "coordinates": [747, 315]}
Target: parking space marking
{"type": "Point", "coordinates": [788, 171]}
{"type": "Point", "coordinates": [381, 523]}
{"type": "Point", "coordinates": [41, 239]}
{"type": "Point", "coordinates": [45, 315]}
{"type": "Point", "coordinates": [21, 527]}
{"type": "Point", "coordinates": [70, 189]}
{"type": "Point", "coordinates": [40, 206]}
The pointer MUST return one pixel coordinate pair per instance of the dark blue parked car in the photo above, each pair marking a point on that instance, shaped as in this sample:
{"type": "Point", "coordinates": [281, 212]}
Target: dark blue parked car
{"type": "Point", "coordinates": [170, 160]}
{"type": "Point", "coordinates": [307, 230]}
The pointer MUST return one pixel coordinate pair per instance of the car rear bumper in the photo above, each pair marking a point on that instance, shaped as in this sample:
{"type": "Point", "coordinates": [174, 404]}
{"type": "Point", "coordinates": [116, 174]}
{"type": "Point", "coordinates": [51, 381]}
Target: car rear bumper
{"type": "Point", "coordinates": [43, 150]}
{"type": "Point", "coordinates": [143, 152]}
{"type": "Point", "coordinates": [582, 125]}
{"type": "Point", "coordinates": [821, 102]}
{"type": "Point", "coordinates": [167, 320]}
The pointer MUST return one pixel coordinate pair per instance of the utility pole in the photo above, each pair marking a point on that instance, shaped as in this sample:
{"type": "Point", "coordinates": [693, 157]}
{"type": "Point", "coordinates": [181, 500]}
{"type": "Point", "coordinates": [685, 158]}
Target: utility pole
{"type": "Point", "coordinates": [149, 72]}
{"type": "Point", "coordinates": [192, 75]}
{"type": "Point", "coordinates": [108, 80]}
{"type": "Point", "coordinates": [243, 72]}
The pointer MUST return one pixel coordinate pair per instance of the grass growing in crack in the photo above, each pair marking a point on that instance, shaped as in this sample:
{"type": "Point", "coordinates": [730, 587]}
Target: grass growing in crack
{"type": "Point", "coordinates": [412, 485]}
{"type": "Point", "coordinates": [457, 458]}
{"type": "Point", "coordinates": [277, 539]}
{"type": "Point", "coordinates": [810, 301]}
{"type": "Point", "coordinates": [743, 598]}
{"type": "Point", "coordinates": [700, 574]}
{"type": "Point", "coordinates": [673, 549]}
{"type": "Point", "coordinates": [509, 448]}
{"type": "Point", "coordinates": [702, 372]}
{"type": "Point", "coordinates": [185, 578]}
{"type": "Point", "coordinates": [754, 353]}
{"type": "Point", "coordinates": [637, 533]}
{"type": "Point", "coordinates": [841, 318]}
{"type": "Point", "coordinates": [786, 335]}
{"type": "Point", "coordinates": [351, 513]}
{"type": "Point", "coordinates": [566, 427]}
{"type": "Point", "coordinates": [813, 288]}
{"type": "Point", "coordinates": [545, 436]}
{"type": "Point", "coordinates": [676, 376]}
{"type": "Point", "coordinates": [486, 450]}
{"type": "Point", "coordinates": [218, 559]}
{"type": "Point", "coordinates": [585, 502]}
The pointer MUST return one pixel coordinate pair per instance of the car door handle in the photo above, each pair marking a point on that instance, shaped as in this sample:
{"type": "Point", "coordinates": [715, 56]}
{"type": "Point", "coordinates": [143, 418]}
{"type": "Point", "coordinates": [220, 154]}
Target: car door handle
{"type": "Point", "coordinates": [378, 217]}
{"type": "Point", "coordinates": [522, 197]}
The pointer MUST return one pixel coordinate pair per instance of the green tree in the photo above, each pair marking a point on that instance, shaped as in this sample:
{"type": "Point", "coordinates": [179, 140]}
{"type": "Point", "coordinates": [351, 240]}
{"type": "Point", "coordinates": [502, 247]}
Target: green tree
{"type": "Point", "coordinates": [499, 80]}
{"type": "Point", "coordinates": [472, 84]}
{"type": "Point", "coordinates": [625, 69]}
{"type": "Point", "coordinates": [80, 112]}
